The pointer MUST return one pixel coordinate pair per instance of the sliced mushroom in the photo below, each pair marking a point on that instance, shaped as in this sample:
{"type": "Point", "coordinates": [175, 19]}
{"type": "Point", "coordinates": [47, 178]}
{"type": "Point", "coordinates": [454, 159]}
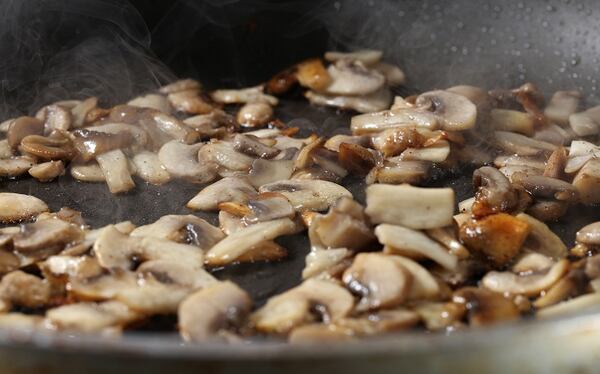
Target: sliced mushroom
{"type": "Point", "coordinates": [530, 284]}
{"type": "Point", "coordinates": [308, 194]}
{"type": "Point", "coordinates": [562, 105]}
{"type": "Point", "coordinates": [235, 245]}
{"type": "Point", "coordinates": [529, 262]}
{"type": "Point", "coordinates": [494, 192]}
{"type": "Point", "coordinates": [319, 333]}
{"type": "Point", "coordinates": [449, 239]}
{"type": "Point", "coordinates": [268, 207]}
{"type": "Point", "coordinates": [312, 74]}
{"type": "Point", "coordinates": [187, 229]}
{"type": "Point", "coordinates": [521, 145]}
{"type": "Point", "coordinates": [373, 102]}
{"type": "Point", "coordinates": [333, 143]}
{"type": "Point", "coordinates": [498, 236]}
{"type": "Point", "coordinates": [89, 144]}
{"type": "Point", "coordinates": [439, 315]}
{"type": "Point", "coordinates": [283, 81]}
{"type": "Point", "coordinates": [149, 168]}
{"type": "Point", "coordinates": [152, 101]}
{"type": "Point", "coordinates": [153, 120]}
{"type": "Point", "coordinates": [230, 189]}
{"type": "Point", "coordinates": [251, 146]}
{"type": "Point", "coordinates": [577, 305]}
{"type": "Point", "coordinates": [571, 285]}
{"type": "Point", "coordinates": [203, 314]}
{"type": "Point", "coordinates": [22, 289]}
{"type": "Point", "coordinates": [424, 285]}
{"type": "Point", "coordinates": [586, 123]}
{"type": "Point", "coordinates": [90, 172]}
{"type": "Point", "coordinates": [556, 163]}
{"type": "Point", "coordinates": [91, 317]}
{"type": "Point", "coordinates": [352, 78]}
{"type": "Point", "coordinates": [54, 147]}
{"type": "Point", "coordinates": [55, 117]}
{"type": "Point", "coordinates": [414, 207]}
{"type": "Point", "coordinates": [546, 187]}
{"type": "Point", "coordinates": [366, 56]}
{"type": "Point", "coordinates": [181, 85]}
{"type": "Point", "coordinates": [44, 238]}
{"type": "Point", "coordinates": [379, 281]}
{"type": "Point", "coordinates": [580, 152]}
{"type": "Point", "coordinates": [590, 234]}
{"type": "Point", "coordinates": [485, 307]}
{"type": "Point", "coordinates": [223, 154]}
{"type": "Point", "coordinates": [190, 101]}
{"type": "Point", "coordinates": [15, 166]}
{"type": "Point", "coordinates": [399, 172]}
{"type": "Point", "coordinates": [243, 96]}
{"type": "Point", "coordinates": [392, 142]}
{"type": "Point", "coordinates": [254, 114]}
{"type": "Point", "coordinates": [513, 121]}
{"type": "Point", "coordinates": [16, 207]}
{"type": "Point", "coordinates": [115, 167]}
{"type": "Point", "coordinates": [80, 111]}
{"type": "Point", "coordinates": [394, 76]}
{"type": "Point", "coordinates": [454, 111]}
{"type": "Point", "coordinates": [139, 135]}
{"type": "Point", "coordinates": [5, 150]}
{"type": "Point", "coordinates": [402, 240]}
{"type": "Point", "coordinates": [437, 152]}
{"type": "Point", "coordinates": [181, 160]}
{"type": "Point", "coordinates": [22, 127]}
{"type": "Point", "coordinates": [381, 322]}
{"type": "Point", "coordinates": [295, 307]}
{"type": "Point", "coordinates": [548, 210]}
{"type": "Point", "coordinates": [404, 117]}
{"type": "Point", "coordinates": [542, 240]}
{"type": "Point", "coordinates": [213, 125]}
{"type": "Point", "coordinates": [324, 262]}
{"type": "Point", "coordinates": [587, 182]}
{"type": "Point", "coordinates": [47, 171]}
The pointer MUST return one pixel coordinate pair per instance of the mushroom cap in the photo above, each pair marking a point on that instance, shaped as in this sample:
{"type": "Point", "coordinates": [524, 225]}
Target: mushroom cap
{"type": "Point", "coordinates": [456, 111]}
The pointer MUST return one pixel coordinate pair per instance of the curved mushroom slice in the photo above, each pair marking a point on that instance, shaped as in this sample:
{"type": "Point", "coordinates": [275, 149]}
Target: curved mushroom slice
{"type": "Point", "coordinates": [26, 290]}
{"type": "Point", "coordinates": [556, 163]}
{"type": "Point", "coordinates": [529, 284]}
{"type": "Point", "coordinates": [586, 123]}
{"type": "Point", "coordinates": [449, 239]}
{"type": "Point", "coordinates": [152, 101]}
{"type": "Point", "coordinates": [379, 280]}
{"type": "Point", "coordinates": [576, 305]}
{"type": "Point", "coordinates": [216, 124]}
{"type": "Point", "coordinates": [252, 146]}
{"type": "Point", "coordinates": [455, 112]}
{"type": "Point", "coordinates": [405, 117]}
{"type": "Point", "coordinates": [373, 102]}
{"type": "Point", "coordinates": [324, 262]}
{"type": "Point", "coordinates": [574, 283]}
{"type": "Point", "coordinates": [80, 111]}
{"type": "Point", "coordinates": [485, 307]}
{"type": "Point", "coordinates": [91, 317]}
{"type": "Point", "coordinates": [521, 145]}
{"type": "Point", "coordinates": [366, 56]}
{"type": "Point", "coordinates": [424, 285]}
{"type": "Point", "coordinates": [580, 152]}
{"type": "Point", "coordinates": [437, 152]}
{"type": "Point", "coordinates": [5, 150]}
{"type": "Point", "coordinates": [115, 167]}
{"type": "Point", "coordinates": [546, 210]}
{"type": "Point", "coordinates": [254, 114]}
{"type": "Point", "coordinates": [187, 229]}
{"type": "Point", "coordinates": [400, 240]}
{"type": "Point", "coordinates": [316, 195]}
{"type": "Point", "coordinates": [494, 192]}
{"type": "Point", "coordinates": [89, 143]}
{"type": "Point", "coordinates": [268, 207]}
{"type": "Point", "coordinates": [44, 238]}
{"type": "Point", "coordinates": [312, 74]}
{"type": "Point", "coordinates": [542, 240]}
{"type": "Point", "coordinates": [439, 315]}
{"type": "Point", "coordinates": [205, 313]}
{"type": "Point", "coordinates": [333, 143]}
{"type": "Point", "coordinates": [358, 159]}
{"type": "Point", "coordinates": [392, 142]}
{"type": "Point", "coordinates": [139, 135]}
{"type": "Point", "coordinates": [55, 117]}
{"type": "Point", "coordinates": [243, 96]}
{"type": "Point", "coordinates": [16, 207]}
{"type": "Point", "coordinates": [21, 128]}
{"type": "Point", "coordinates": [562, 105]}
{"type": "Point", "coordinates": [168, 125]}
{"type": "Point", "coordinates": [546, 187]}
{"type": "Point", "coordinates": [235, 245]}
{"type": "Point", "coordinates": [181, 160]}
{"type": "Point", "coordinates": [587, 182]}
{"type": "Point", "coordinates": [15, 166]}
{"type": "Point", "coordinates": [351, 78]}
{"type": "Point", "coordinates": [529, 262]}
{"type": "Point", "coordinates": [90, 172]}
{"type": "Point", "coordinates": [513, 121]}
{"type": "Point", "coordinates": [295, 307]}
{"type": "Point", "coordinates": [400, 172]}
{"type": "Point", "coordinates": [47, 171]}
{"type": "Point", "coordinates": [223, 154]}
{"type": "Point", "coordinates": [394, 76]}
{"type": "Point", "coordinates": [57, 146]}
{"type": "Point", "coordinates": [149, 168]}
{"type": "Point", "coordinates": [190, 101]}
{"type": "Point", "coordinates": [181, 85]}
{"type": "Point", "coordinates": [498, 236]}
{"type": "Point", "coordinates": [229, 189]}
{"type": "Point", "coordinates": [414, 207]}
{"type": "Point", "coordinates": [590, 234]}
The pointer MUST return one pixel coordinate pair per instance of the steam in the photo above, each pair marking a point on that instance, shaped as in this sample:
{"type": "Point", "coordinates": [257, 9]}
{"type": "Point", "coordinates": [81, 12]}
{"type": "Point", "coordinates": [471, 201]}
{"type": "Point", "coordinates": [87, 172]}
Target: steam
{"type": "Point", "coordinates": [70, 49]}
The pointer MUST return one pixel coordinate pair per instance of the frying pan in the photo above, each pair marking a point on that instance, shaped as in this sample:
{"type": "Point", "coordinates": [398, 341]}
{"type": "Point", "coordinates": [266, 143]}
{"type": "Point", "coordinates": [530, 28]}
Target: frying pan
{"type": "Point", "coordinates": [438, 44]}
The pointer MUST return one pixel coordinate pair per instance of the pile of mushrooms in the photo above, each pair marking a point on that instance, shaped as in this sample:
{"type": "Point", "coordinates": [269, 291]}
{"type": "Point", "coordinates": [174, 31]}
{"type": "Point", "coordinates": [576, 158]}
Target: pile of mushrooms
{"type": "Point", "coordinates": [408, 257]}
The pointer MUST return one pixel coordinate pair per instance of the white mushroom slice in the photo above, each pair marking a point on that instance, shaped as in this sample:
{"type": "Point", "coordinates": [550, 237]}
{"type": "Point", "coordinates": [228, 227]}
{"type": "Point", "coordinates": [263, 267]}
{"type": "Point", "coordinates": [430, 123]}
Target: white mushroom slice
{"type": "Point", "coordinates": [542, 240]}
{"type": "Point", "coordinates": [190, 101]}
{"type": "Point", "coordinates": [320, 260]}
{"type": "Point", "coordinates": [515, 160]}
{"type": "Point", "coordinates": [399, 239]}
{"type": "Point", "coordinates": [528, 284]}
{"type": "Point", "coordinates": [238, 243]}
{"type": "Point", "coordinates": [80, 111]}
{"type": "Point", "coordinates": [5, 125]}
{"type": "Point", "coordinates": [90, 172]}
{"type": "Point", "coordinates": [268, 208]}
{"type": "Point", "coordinates": [414, 207]}
{"type": "Point", "coordinates": [586, 123]}
{"type": "Point", "coordinates": [531, 262]}
{"type": "Point", "coordinates": [5, 150]}
{"type": "Point", "coordinates": [254, 114]}
{"type": "Point", "coordinates": [424, 285]}
{"type": "Point", "coordinates": [293, 308]}
{"type": "Point", "coordinates": [561, 106]}
{"type": "Point", "coordinates": [579, 304]}
{"type": "Point", "coordinates": [203, 314]}
{"type": "Point", "coordinates": [223, 154]}
{"type": "Point", "coordinates": [116, 250]}
{"type": "Point", "coordinates": [229, 223]}
{"type": "Point", "coordinates": [376, 122]}
{"type": "Point", "coordinates": [115, 167]}
{"type": "Point", "coordinates": [554, 134]}
{"type": "Point", "coordinates": [449, 239]}
{"type": "Point", "coordinates": [91, 317]}
{"type": "Point", "coordinates": [587, 182]}
{"type": "Point", "coordinates": [268, 171]}
{"type": "Point", "coordinates": [139, 135]}
{"type": "Point", "coordinates": [43, 238]}
{"type": "Point", "coordinates": [437, 152]}
{"type": "Point", "coordinates": [366, 56]}
{"type": "Point", "coordinates": [465, 206]}
{"type": "Point", "coordinates": [181, 160]}
{"type": "Point", "coordinates": [455, 112]}
{"type": "Point", "coordinates": [438, 315]}
{"type": "Point", "coordinates": [21, 321]}
{"type": "Point", "coordinates": [149, 168]}
{"type": "Point", "coordinates": [181, 85]}
{"type": "Point", "coordinates": [152, 101]}
{"type": "Point", "coordinates": [512, 120]}
{"type": "Point", "coordinates": [55, 117]}
{"type": "Point", "coordinates": [229, 189]}
{"type": "Point", "coordinates": [521, 145]}
{"type": "Point", "coordinates": [352, 79]}
{"type": "Point", "coordinates": [182, 229]}
{"type": "Point", "coordinates": [316, 195]}
{"type": "Point", "coordinates": [333, 143]}
{"type": "Point", "coordinates": [169, 125]}
{"type": "Point", "coordinates": [394, 76]}
{"type": "Point", "coordinates": [398, 172]}
{"type": "Point", "coordinates": [15, 166]}
{"type": "Point", "coordinates": [379, 280]}
{"type": "Point", "coordinates": [373, 102]}
{"type": "Point", "coordinates": [47, 171]}
{"type": "Point", "coordinates": [243, 96]}
{"type": "Point", "coordinates": [580, 152]}
{"type": "Point", "coordinates": [15, 207]}
{"type": "Point", "coordinates": [26, 290]}
{"type": "Point", "coordinates": [589, 234]}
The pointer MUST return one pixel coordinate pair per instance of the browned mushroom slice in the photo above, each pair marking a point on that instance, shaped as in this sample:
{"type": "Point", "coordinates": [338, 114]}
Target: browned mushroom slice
{"type": "Point", "coordinates": [379, 280]}
{"type": "Point", "coordinates": [254, 114]}
{"type": "Point", "coordinates": [53, 147]}
{"type": "Point", "coordinates": [587, 182]}
{"type": "Point", "coordinates": [187, 229]}
{"type": "Point", "coordinates": [282, 82]}
{"type": "Point", "coordinates": [545, 187]}
{"type": "Point", "coordinates": [366, 56]}
{"type": "Point", "coordinates": [319, 333]}
{"type": "Point", "coordinates": [485, 307]}
{"type": "Point", "coordinates": [512, 120]}
{"type": "Point", "coordinates": [586, 123]}
{"type": "Point", "coordinates": [352, 78]}
{"type": "Point", "coordinates": [590, 234]}
{"type": "Point", "coordinates": [548, 210]}
{"type": "Point", "coordinates": [16, 207]}
{"type": "Point", "coordinates": [190, 101]}
{"type": "Point", "coordinates": [168, 125]}
{"type": "Point", "coordinates": [414, 207]}
{"type": "Point", "coordinates": [203, 314]}
{"type": "Point", "coordinates": [562, 105]}
{"type": "Point", "coordinates": [381, 322]}
{"type": "Point", "coordinates": [494, 192]}
{"type": "Point", "coordinates": [149, 168]}
{"type": "Point", "coordinates": [521, 145]}
{"type": "Point", "coordinates": [439, 315]}
{"type": "Point", "coordinates": [556, 163]}
{"type": "Point", "coordinates": [333, 143]}
{"type": "Point", "coordinates": [26, 290]}
{"type": "Point", "coordinates": [15, 166]}
{"type": "Point", "coordinates": [542, 240]}
{"type": "Point", "coordinates": [90, 172]}
{"type": "Point", "coordinates": [316, 195]}
{"type": "Point", "coordinates": [403, 240]}
{"type": "Point", "coordinates": [235, 245]}
{"type": "Point", "coordinates": [392, 142]}
{"type": "Point", "coordinates": [405, 117]}
{"type": "Point", "coordinates": [574, 283]}
{"type": "Point", "coordinates": [152, 101]}
{"type": "Point", "coordinates": [252, 146]}
{"type": "Point", "coordinates": [181, 160]}
{"type": "Point", "coordinates": [325, 262]}
{"type": "Point", "coordinates": [55, 117]}
{"type": "Point", "coordinates": [91, 317]}
{"type": "Point", "coordinates": [299, 305]}
{"type": "Point", "coordinates": [312, 74]}
{"type": "Point", "coordinates": [47, 171]}
{"type": "Point", "coordinates": [223, 154]}
{"type": "Point", "coordinates": [89, 144]}
{"type": "Point", "coordinates": [115, 167]}
{"type": "Point", "coordinates": [358, 159]}
{"type": "Point", "coordinates": [373, 102]}
{"type": "Point", "coordinates": [243, 96]}
{"type": "Point", "coordinates": [22, 127]}
{"type": "Point", "coordinates": [576, 305]}
{"type": "Point", "coordinates": [140, 136]}
{"type": "Point", "coordinates": [181, 85]}
{"type": "Point", "coordinates": [529, 284]}
{"type": "Point", "coordinates": [498, 236]}
{"type": "Point", "coordinates": [213, 125]}
{"type": "Point", "coordinates": [230, 189]}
